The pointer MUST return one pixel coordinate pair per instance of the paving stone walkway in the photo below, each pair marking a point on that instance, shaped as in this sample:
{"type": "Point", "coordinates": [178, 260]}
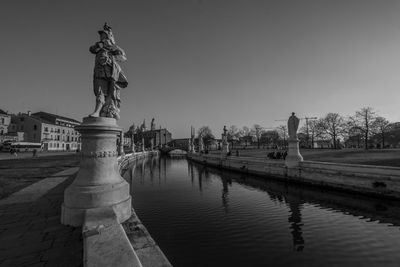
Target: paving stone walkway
{"type": "Point", "coordinates": [30, 230]}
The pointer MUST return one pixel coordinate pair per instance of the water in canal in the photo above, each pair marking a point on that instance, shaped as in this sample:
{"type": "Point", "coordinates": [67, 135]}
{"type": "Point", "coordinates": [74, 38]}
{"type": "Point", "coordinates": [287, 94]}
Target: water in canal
{"type": "Point", "coordinates": [201, 216]}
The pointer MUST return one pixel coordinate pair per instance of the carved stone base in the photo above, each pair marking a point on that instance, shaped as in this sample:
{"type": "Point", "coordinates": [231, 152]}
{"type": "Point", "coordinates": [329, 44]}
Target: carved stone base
{"type": "Point", "coordinates": [293, 157]}
{"type": "Point", "coordinates": [224, 150]}
{"type": "Point", "coordinates": [98, 182]}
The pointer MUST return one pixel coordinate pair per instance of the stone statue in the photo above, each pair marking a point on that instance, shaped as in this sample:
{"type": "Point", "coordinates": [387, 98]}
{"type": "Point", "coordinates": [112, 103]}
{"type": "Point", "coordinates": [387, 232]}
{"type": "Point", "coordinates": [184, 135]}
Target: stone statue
{"type": "Point", "coordinates": [225, 130]}
{"type": "Point", "coordinates": [108, 77]}
{"type": "Point", "coordinates": [293, 125]}
{"type": "Point", "coordinates": [143, 126]}
{"type": "Point", "coordinates": [132, 129]}
{"type": "Point", "coordinates": [152, 125]}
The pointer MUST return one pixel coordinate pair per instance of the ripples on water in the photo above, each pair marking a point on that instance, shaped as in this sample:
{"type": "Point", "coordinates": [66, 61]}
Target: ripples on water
{"type": "Point", "coordinates": [202, 216]}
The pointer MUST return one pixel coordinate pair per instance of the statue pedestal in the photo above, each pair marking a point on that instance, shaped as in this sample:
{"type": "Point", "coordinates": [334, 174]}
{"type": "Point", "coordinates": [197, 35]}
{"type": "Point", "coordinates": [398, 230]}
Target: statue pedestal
{"type": "Point", "coordinates": [98, 182]}
{"type": "Point", "coordinates": [224, 150]}
{"type": "Point", "coordinates": [293, 157]}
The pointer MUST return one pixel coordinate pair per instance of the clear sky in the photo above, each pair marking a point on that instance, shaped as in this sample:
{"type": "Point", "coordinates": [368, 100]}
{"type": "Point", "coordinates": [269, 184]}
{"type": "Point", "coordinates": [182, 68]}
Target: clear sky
{"type": "Point", "coordinates": [205, 62]}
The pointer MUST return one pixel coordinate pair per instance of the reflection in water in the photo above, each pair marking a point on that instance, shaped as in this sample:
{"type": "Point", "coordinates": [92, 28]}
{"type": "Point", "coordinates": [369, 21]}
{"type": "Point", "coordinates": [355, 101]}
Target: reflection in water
{"type": "Point", "coordinates": [295, 226]}
{"type": "Point", "coordinates": [261, 222]}
{"type": "Point", "coordinates": [225, 193]}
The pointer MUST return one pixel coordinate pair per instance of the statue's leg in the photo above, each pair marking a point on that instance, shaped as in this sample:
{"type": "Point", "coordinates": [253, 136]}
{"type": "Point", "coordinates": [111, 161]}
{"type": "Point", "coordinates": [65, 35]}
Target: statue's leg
{"type": "Point", "coordinates": [99, 87]}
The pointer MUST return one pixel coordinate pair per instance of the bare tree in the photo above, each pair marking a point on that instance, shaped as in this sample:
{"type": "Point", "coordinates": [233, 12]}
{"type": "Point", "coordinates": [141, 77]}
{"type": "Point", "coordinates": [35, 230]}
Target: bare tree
{"type": "Point", "coordinates": [331, 125]}
{"type": "Point", "coordinates": [270, 138]}
{"type": "Point", "coordinates": [282, 130]}
{"type": "Point", "coordinates": [381, 126]}
{"type": "Point", "coordinates": [207, 135]}
{"type": "Point", "coordinates": [247, 135]}
{"type": "Point", "coordinates": [233, 134]}
{"type": "Point", "coordinates": [312, 132]}
{"type": "Point", "coordinates": [363, 121]}
{"type": "Point", "coordinates": [257, 129]}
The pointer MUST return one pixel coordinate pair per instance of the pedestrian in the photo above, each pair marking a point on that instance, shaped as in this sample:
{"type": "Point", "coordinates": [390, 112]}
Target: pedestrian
{"type": "Point", "coordinates": [34, 152]}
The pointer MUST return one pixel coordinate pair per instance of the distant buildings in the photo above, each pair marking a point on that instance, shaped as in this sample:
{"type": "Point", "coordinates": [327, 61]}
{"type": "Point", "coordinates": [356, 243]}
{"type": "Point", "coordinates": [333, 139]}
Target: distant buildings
{"type": "Point", "coordinates": [5, 126]}
{"type": "Point", "coordinates": [56, 133]}
{"type": "Point", "coordinates": [5, 120]}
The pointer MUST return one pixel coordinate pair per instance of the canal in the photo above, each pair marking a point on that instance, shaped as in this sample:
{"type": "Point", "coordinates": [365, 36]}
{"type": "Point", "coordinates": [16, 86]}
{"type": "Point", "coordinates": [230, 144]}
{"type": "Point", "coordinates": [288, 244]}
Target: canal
{"type": "Point", "coordinates": [201, 216]}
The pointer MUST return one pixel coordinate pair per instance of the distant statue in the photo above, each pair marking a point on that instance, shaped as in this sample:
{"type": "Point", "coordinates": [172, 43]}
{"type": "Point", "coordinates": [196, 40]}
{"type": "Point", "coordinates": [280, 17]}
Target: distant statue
{"type": "Point", "coordinates": [143, 126]}
{"type": "Point", "coordinates": [293, 125]}
{"type": "Point", "coordinates": [108, 76]}
{"type": "Point", "coordinates": [132, 129]}
{"type": "Point", "coordinates": [201, 143]}
{"type": "Point", "coordinates": [225, 130]}
{"type": "Point", "coordinates": [152, 125]}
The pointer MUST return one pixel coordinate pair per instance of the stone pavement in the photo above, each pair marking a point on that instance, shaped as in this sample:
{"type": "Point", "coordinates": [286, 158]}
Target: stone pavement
{"type": "Point", "coordinates": [30, 230]}
{"type": "Point", "coordinates": [23, 155]}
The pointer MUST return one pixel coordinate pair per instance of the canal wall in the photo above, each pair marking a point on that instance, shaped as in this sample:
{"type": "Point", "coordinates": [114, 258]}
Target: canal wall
{"type": "Point", "coordinates": [377, 181]}
{"type": "Point", "coordinates": [107, 242]}
{"type": "Point", "coordinates": [146, 249]}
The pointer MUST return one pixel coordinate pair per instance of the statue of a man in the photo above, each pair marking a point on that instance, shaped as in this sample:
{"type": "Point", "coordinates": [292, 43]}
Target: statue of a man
{"type": "Point", "coordinates": [293, 125]}
{"type": "Point", "coordinates": [108, 77]}
{"type": "Point", "coordinates": [152, 125]}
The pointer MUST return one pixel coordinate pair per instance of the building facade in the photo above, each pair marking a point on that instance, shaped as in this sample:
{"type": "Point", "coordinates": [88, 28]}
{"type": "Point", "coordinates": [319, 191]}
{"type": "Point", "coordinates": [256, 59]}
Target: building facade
{"type": "Point", "coordinates": [56, 133]}
{"type": "Point", "coordinates": [5, 120]}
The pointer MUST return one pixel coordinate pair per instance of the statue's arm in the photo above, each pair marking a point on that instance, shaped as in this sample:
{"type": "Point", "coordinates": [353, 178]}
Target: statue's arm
{"type": "Point", "coordinates": [119, 54]}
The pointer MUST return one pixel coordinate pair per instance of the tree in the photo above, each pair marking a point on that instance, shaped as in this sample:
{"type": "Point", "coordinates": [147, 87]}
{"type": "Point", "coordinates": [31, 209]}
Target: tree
{"type": "Point", "coordinates": [381, 126]}
{"type": "Point", "coordinates": [207, 135]}
{"type": "Point", "coordinates": [282, 130]}
{"type": "Point", "coordinates": [247, 135]}
{"type": "Point", "coordinates": [270, 138]}
{"type": "Point", "coordinates": [233, 134]}
{"type": "Point", "coordinates": [363, 120]}
{"type": "Point", "coordinates": [331, 125]}
{"type": "Point", "coordinates": [257, 129]}
{"type": "Point", "coordinates": [311, 132]}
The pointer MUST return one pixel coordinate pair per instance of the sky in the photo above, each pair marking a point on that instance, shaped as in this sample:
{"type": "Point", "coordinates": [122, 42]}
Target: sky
{"type": "Point", "coordinates": [205, 62]}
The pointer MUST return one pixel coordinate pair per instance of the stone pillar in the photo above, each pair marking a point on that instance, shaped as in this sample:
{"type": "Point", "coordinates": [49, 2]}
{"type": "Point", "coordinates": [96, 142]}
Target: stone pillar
{"type": "Point", "coordinates": [133, 143]}
{"type": "Point", "coordinates": [142, 144]}
{"type": "Point", "coordinates": [293, 157]}
{"type": "Point", "coordinates": [225, 148]}
{"type": "Point", "coordinates": [121, 144]}
{"type": "Point", "coordinates": [201, 144]}
{"type": "Point", "coordinates": [98, 183]}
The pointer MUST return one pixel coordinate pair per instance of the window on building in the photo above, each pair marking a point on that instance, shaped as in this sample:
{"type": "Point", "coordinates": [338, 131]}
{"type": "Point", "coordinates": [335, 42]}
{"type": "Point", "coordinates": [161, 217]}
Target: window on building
{"type": "Point", "coordinates": [58, 137]}
{"type": "Point", "coordinates": [46, 129]}
{"type": "Point", "coordinates": [58, 145]}
{"type": "Point", "coordinates": [63, 131]}
{"type": "Point", "coordinates": [2, 132]}
{"type": "Point", "coordinates": [50, 144]}
{"type": "Point", "coordinates": [35, 127]}
{"type": "Point", "coordinates": [2, 120]}
{"type": "Point", "coordinates": [21, 127]}
{"type": "Point", "coordinates": [21, 119]}
{"type": "Point", "coordinates": [67, 138]}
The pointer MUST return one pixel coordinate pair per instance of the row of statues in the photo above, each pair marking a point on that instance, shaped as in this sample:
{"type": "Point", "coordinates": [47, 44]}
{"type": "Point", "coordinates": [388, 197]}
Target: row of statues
{"type": "Point", "coordinates": [109, 79]}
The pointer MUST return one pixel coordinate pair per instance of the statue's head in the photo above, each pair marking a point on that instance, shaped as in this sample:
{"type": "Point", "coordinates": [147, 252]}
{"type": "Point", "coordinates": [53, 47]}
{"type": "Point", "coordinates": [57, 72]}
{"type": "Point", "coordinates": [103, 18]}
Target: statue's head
{"type": "Point", "coordinates": [106, 34]}
{"type": "Point", "coordinates": [103, 35]}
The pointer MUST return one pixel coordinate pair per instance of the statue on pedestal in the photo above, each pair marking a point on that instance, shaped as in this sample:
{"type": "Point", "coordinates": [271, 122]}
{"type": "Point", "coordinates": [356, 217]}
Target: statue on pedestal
{"type": "Point", "coordinates": [152, 125]}
{"type": "Point", "coordinates": [108, 77]}
{"type": "Point", "coordinates": [293, 156]}
{"type": "Point", "coordinates": [293, 125]}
